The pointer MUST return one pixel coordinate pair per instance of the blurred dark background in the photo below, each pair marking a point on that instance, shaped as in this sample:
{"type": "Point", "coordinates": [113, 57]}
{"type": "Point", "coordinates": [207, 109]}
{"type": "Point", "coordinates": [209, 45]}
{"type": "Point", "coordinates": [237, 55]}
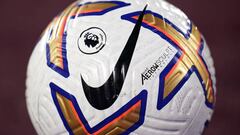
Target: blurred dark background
{"type": "Point", "coordinates": [23, 21]}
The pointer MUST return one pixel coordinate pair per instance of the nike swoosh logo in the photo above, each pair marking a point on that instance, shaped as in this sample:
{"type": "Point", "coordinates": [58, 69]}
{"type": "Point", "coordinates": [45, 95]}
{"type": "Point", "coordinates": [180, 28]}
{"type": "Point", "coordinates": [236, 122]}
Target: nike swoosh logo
{"type": "Point", "coordinates": [104, 96]}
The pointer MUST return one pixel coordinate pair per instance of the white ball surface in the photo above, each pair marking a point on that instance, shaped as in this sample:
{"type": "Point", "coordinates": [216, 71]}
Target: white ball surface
{"type": "Point", "coordinates": [89, 46]}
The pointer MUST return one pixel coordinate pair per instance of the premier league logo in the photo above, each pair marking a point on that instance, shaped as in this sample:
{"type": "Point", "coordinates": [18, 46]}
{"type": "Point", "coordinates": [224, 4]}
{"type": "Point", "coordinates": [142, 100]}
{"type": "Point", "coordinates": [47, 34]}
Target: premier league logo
{"type": "Point", "coordinates": [92, 40]}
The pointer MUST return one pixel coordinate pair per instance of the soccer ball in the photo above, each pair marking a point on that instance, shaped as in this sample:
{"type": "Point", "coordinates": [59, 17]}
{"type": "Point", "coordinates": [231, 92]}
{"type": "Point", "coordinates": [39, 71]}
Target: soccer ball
{"type": "Point", "coordinates": [121, 67]}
